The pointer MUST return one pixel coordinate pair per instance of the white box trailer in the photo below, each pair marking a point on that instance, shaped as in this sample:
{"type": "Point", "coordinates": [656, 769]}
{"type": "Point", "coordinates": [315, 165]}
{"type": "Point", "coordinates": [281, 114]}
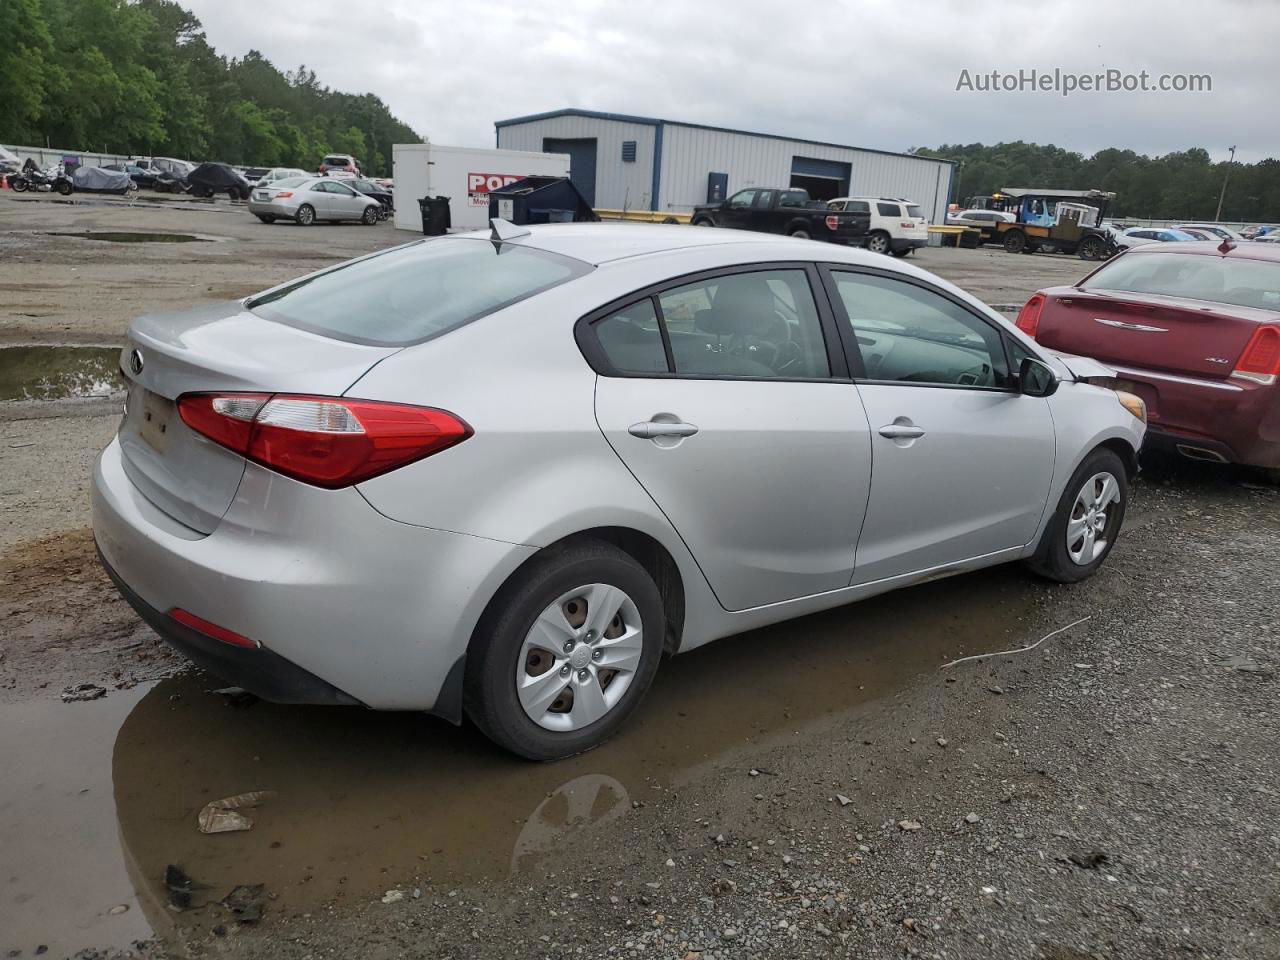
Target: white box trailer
{"type": "Point", "coordinates": [463, 174]}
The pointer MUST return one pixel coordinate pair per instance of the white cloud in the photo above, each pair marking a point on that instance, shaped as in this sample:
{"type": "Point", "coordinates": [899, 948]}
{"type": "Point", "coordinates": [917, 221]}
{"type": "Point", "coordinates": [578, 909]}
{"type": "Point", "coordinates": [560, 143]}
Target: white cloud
{"type": "Point", "coordinates": [876, 73]}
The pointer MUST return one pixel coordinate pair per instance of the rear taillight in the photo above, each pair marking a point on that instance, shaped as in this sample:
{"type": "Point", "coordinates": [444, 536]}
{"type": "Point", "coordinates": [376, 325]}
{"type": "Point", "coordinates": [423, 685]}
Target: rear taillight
{"type": "Point", "coordinates": [210, 629]}
{"type": "Point", "coordinates": [1260, 361]}
{"type": "Point", "coordinates": [328, 442]}
{"type": "Point", "coordinates": [283, 194]}
{"type": "Point", "coordinates": [1029, 316]}
{"type": "Point", "coordinates": [833, 223]}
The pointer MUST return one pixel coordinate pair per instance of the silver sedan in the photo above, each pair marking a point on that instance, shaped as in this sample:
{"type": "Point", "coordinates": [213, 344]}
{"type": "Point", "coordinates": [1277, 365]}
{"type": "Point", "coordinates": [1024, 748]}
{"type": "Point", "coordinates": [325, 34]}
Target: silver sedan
{"type": "Point", "coordinates": [505, 474]}
{"type": "Point", "coordinates": [306, 200]}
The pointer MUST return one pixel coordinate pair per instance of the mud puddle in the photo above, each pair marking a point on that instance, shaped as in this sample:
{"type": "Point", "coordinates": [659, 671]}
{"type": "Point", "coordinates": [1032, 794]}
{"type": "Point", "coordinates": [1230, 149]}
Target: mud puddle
{"type": "Point", "coordinates": [367, 802]}
{"type": "Point", "coordinates": [59, 372]}
{"type": "Point", "coordinates": [117, 236]}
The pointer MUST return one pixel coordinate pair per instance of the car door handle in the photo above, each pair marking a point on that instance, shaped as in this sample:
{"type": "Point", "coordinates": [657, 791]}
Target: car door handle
{"type": "Point", "coordinates": [901, 431]}
{"type": "Point", "coordinates": [650, 429]}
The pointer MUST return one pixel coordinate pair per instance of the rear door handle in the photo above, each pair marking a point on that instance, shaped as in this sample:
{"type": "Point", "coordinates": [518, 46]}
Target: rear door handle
{"type": "Point", "coordinates": [901, 431]}
{"type": "Point", "coordinates": [650, 429]}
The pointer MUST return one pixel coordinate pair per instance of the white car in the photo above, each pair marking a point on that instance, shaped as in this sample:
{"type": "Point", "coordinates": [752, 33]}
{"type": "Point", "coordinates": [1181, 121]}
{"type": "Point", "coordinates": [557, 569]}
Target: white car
{"type": "Point", "coordinates": [980, 218]}
{"type": "Point", "coordinates": [280, 173]}
{"type": "Point", "coordinates": [897, 226]}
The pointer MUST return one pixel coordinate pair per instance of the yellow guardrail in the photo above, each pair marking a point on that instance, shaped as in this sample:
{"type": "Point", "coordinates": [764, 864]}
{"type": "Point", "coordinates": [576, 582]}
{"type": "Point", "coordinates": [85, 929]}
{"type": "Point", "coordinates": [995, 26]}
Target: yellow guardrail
{"type": "Point", "coordinates": [645, 216]}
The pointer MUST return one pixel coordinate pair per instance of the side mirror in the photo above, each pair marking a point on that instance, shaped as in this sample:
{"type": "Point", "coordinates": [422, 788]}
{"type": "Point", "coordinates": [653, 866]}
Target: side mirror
{"type": "Point", "coordinates": [1037, 379]}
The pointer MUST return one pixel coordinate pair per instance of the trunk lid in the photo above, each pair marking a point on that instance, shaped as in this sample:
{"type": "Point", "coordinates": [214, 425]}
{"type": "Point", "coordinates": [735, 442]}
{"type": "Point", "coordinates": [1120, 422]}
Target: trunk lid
{"type": "Point", "coordinates": [218, 347]}
{"type": "Point", "coordinates": [1191, 337]}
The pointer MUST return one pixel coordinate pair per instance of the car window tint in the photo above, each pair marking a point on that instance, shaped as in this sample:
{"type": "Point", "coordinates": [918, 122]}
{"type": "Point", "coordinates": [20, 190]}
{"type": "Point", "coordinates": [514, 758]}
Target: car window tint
{"type": "Point", "coordinates": [632, 340]}
{"type": "Point", "coordinates": [913, 210]}
{"type": "Point", "coordinates": [858, 206]}
{"type": "Point", "coordinates": [1244, 283]}
{"type": "Point", "coordinates": [759, 324]}
{"type": "Point", "coordinates": [793, 198]}
{"type": "Point", "coordinates": [888, 209]}
{"type": "Point", "coordinates": [742, 199]}
{"type": "Point", "coordinates": [418, 291]}
{"type": "Point", "coordinates": [908, 334]}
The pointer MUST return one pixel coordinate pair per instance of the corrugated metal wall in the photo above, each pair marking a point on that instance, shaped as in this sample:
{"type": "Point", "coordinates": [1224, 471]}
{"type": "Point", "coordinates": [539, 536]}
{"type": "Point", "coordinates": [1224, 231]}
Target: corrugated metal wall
{"type": "Point", "coordinates": [619, 185]}
{"type": "Point", "coordinates": [690, 153]}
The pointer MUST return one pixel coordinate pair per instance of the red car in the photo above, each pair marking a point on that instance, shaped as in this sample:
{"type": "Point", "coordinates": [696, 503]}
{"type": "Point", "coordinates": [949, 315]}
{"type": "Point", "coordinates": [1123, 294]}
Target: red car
{"type": "Point", "coordinates": [1193, 329]}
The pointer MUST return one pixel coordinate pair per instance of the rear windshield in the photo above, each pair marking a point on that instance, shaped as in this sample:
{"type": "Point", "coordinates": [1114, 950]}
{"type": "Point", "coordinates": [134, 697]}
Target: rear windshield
{"type": "Point", "coordinates": [416, 292]}
{"type": "Point", "coordinates": [1244, 283]}
{"type": "Point", "coordinates": [336, 161]}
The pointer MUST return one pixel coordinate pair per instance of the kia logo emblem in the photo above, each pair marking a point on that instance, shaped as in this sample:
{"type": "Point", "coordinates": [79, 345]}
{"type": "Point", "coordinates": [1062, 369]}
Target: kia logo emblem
{"type": "Point", "coordinates": [135, 361]}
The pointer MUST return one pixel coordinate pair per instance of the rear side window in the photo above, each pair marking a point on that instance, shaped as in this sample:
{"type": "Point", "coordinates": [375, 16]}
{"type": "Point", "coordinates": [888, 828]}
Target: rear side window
{"type": "Point", "coordinates": [1244, 283]}
{"type": "Point", "coordinates": [913, 210]}
{"type": "Point", "coordinates": [793, 198]}
{"type": "Point", "coordinates": [416, 292]}
{"type": "Point", "coordinates": [857, 206]}
{"type": "Point", "coordinates": [889, 209]}
{"type": "Point", "coordinates": [632, 340]}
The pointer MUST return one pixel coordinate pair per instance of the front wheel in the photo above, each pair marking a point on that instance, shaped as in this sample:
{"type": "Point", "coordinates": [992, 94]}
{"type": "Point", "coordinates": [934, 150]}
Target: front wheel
{"type": "Point", "coordinates": [1085, 526]}
{"type": "Point", "coordinates": [306, 215]}
{"type": "Point", "coordinates": [703, 222]}
{"type": "Point", "coordinates": [565, 652]}
{"type": "Point", "coordinates": [1015, 241]}
{"type": "Point", "coordinates": [878, 242]}
{"type": "Point", "coordinates": [370, 216]}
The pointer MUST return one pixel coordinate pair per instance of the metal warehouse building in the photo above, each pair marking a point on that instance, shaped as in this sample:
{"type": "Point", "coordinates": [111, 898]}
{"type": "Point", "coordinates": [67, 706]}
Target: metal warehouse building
{"type": "Point", "coordinates": [642, 163]}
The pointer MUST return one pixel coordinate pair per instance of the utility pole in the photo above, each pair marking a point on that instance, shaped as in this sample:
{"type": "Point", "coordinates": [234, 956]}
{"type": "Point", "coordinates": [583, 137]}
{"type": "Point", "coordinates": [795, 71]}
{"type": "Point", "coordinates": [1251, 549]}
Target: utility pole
{"type": "Point", "coordinates": [1225, 177]}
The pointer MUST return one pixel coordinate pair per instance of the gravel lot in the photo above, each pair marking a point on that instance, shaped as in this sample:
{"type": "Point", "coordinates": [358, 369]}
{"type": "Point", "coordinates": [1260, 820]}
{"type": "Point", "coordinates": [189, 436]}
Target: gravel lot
{"type": "Point", "coordinates": [823, 787]}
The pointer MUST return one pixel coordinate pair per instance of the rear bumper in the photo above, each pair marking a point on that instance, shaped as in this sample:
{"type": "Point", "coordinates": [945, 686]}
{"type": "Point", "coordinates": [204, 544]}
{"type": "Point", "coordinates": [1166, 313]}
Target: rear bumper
{"type": "Point", "coordinates": [898, 244]}
{"type": "Point", "coordinates": [1235, 419]}
{"type": "Point", "coordinates": [268, 209]}
{"type": "Point", "coordinates": [342, 599]}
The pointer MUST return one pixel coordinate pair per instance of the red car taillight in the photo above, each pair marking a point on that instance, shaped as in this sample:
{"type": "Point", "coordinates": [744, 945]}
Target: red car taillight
{"type": "Point", "coordinates": [1260, 361]}
{"type": "Point", "coordinates": [210, 629]}
{"type": "Point", "coordinates": [328, 442]}
{"type": "Point", "coordinates": [1029, 316]}
{"type": "Point", "coordinates": [284, 193]}
{"type": "Point", "coordinates": [833, 223]}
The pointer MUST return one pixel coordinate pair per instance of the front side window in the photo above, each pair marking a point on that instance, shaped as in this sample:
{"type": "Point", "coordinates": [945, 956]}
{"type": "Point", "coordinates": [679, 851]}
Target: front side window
{"type": "Point", "coordinates": [759, 324]}
{"type": "Point", "coordinates": [907, 334]}
{"type": "Point", "coordinates": [742, 199]}
{"type": "Point", "coordinates": [412, 293]}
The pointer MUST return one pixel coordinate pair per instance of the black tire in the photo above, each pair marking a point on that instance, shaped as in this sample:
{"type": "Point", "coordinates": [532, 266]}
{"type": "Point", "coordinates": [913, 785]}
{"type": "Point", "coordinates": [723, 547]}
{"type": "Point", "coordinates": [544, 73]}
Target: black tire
{"type": "Point", "coordinates": [370, 216]}
{"type": "Point", "coordinates": [490, 697]}
{"type": "Point", "coordinates": [64, 187]}
{"type": "Point", "coordinates": [905, 251]}
{"type": "Point", "coordinates": [1015, 241]}
{"type": "Point", "coordinates": [19, 184]}
{"type": "Point", "coordinates": [800, 233]}
{"type": "Point", "coordinates": [878, 242]}
{"type": "Point", "coordinates": [1051, 559]}
{"type": "Point", "coordinates": [305, 216]}
{"type": "Point", "coordinates": [704, 222]}
{"type": "Point", "coordinates": [1092, 248]}
{"type": "Point", "coordinates": [265, 217]}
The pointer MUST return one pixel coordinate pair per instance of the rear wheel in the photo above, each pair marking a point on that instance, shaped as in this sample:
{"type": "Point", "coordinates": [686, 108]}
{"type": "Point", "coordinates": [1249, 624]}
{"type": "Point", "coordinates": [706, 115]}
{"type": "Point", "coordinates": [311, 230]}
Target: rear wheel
{"type": "Point", "coordinates": [565, 652]}
{"type": "Point", "coordinates": [878, 242]}
{"type": "Point", "coordinates": [64, 187]}
{"type": "Point", "coordinates": [20, 184]}
{"type": "Point", "coordinates": [1015, 241]}
{"type": "Point", "coordinates": [306, 215]}
{"type": "Point", "coordinates": [1085, 526]}
{"type": "Point", "coordinates": [1092, 248]}
{"type": "Point", "coordinates": [266, 218]}
{"type": "Point", "coordinates": [800, 233]}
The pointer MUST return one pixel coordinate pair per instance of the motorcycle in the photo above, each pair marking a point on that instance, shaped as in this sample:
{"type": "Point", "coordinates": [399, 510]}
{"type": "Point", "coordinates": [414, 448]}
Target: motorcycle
{"type": "Point", "coordinates": [33, 178]}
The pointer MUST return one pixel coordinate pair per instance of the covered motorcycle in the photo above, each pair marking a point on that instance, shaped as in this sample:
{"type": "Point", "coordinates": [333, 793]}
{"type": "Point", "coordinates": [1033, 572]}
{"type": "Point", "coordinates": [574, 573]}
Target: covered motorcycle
{"type": "Point", "coordinates": [211, 178]}
{"type": "Point", "coordinates": [98, 180]}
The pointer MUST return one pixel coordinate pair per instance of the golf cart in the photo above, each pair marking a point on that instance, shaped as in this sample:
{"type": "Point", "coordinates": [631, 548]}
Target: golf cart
{"type": "Point", "coordinates": [1070, 221]}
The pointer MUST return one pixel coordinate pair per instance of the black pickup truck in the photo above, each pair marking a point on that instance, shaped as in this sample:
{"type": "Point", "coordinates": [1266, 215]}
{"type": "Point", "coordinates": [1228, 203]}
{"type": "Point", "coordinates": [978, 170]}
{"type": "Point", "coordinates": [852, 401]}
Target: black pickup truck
{"type": "Point", "coordinates": [788, 212]}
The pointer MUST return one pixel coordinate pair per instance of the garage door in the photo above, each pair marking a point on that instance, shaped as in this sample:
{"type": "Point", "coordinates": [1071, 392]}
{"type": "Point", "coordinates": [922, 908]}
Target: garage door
{"type": "Point", "coordinates": [824, 179]}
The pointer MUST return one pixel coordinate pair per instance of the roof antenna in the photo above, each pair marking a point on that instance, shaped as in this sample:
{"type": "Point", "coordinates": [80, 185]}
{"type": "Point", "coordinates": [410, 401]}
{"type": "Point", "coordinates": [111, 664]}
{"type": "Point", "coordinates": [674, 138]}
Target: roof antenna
{"type": "Point", "coordinates": [1226, 246]}
{"type": "Point", "coordinates": [503, 230]}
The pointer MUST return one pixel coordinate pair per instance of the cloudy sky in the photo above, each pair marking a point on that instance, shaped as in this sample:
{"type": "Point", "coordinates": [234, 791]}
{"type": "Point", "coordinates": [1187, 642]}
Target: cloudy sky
{"type": "Point", "coordinates": [875, 73]}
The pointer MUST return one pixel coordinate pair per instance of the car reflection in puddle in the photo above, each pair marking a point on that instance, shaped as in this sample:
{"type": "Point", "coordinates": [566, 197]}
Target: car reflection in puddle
{"type": "Point", "coordinates": [368, 802]}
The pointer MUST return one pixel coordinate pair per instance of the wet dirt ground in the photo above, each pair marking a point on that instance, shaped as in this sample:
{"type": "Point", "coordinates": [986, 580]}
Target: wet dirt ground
{"type": "Point", "coordinates": [1147, 735]}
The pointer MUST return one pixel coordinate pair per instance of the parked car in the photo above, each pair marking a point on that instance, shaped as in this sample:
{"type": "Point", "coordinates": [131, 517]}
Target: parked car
{"type": "Point", "coordinates": [10, 162]}
{"type": "Point", "coordinates": [1199, 234]}
{"type": "Point", "coordinates": [371, 188]}
{"type": "Point", "coordinates": [1214, 230]}
{"type": "Point", "coordinates": [1267, 238]}
{"type": "Point", "coordinates": [86, 179]}
{"type": "Point", "coordinates": [896, 226]}
{"type": "Point", "coordinates": [789, 212]}
{"type": "Point", "coordinates": [1192, 328]}
{"type": "Point", "coordinates": [306, 200]}
{"type": "Point", "coordinates": [339, 163]}
{"type": "Point", "coordinates": [979, 217]}
{"type": "Point", "coordinates": [178, 168]}
{"type": "Point", "coordinates": [212, 178]}
{"type": "Point", "coordinates": [279, 173]}
{"type": "Point", "coordinates": [254, 174]}
{"type": "Point", "coordinates": [315, 495]}
{"type": "Point", "coordinates": [1160, 234]}
{"type": "Point", "coordinates": [139, 175]}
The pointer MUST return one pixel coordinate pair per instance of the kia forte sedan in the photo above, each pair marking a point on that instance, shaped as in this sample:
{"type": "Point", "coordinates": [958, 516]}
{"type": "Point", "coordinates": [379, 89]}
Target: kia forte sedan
{"type": "Point", "coordinates": [503, 475]}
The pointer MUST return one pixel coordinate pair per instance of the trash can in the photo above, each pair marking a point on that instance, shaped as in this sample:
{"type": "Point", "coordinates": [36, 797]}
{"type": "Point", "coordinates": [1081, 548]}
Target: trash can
{"type": "Point", "coordinates": [971, 239]}
{"type": "Point", "coordinates": [540, 200]}
{"type": "Point", "coordinates": [435, 216]}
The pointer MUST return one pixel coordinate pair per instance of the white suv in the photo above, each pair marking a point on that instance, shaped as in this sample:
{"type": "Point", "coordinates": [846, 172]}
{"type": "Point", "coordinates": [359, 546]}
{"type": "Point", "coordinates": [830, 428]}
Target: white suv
{"type": "Point", "coordinates": [897, 226]}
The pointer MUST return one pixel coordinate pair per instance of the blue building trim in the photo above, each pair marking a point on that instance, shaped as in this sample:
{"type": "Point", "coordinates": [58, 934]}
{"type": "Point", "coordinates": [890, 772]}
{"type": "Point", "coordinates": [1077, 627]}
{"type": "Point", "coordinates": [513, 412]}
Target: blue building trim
{"type": "Point", "coordinates": [657, 167]}
{"type": "Point", "coordinates": [658, 122]}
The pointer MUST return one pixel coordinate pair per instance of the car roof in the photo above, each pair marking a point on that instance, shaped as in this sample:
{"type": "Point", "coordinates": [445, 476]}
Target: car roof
{"type": "Point", "coordinates": [1244, 250]}
{"type": "Point", "coordinates": [599, 243]}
